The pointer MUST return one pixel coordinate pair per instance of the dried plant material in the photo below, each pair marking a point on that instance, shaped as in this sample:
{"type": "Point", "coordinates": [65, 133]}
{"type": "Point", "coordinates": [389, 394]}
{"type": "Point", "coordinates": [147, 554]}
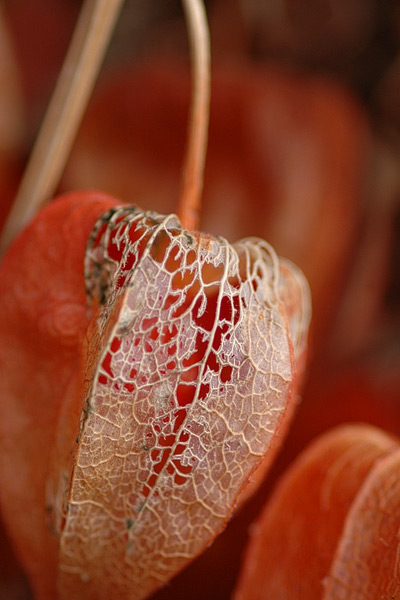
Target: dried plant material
{"type": "Point", "coordinates": [150, 400]}
{"type": "Point", "coordinates": [64, 114]}
{"type": "Point", "coordinates": [294, 542]}
{"type": "Point", "coordinates": [366, 564]}
{"type": "Point", "coordinates": [199, 38]}
{"type": "Point", "coordinates": [43, 318]}
{"type": "Point", "coordinates": [188, 375]}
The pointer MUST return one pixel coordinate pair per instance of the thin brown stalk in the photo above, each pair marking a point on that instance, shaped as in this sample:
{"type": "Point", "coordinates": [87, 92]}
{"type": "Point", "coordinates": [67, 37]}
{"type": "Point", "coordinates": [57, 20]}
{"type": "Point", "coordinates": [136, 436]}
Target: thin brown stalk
{"type": "Point", "coordinates": [87, 49]}
{"type": "Point", "coordinates": [190, 201]}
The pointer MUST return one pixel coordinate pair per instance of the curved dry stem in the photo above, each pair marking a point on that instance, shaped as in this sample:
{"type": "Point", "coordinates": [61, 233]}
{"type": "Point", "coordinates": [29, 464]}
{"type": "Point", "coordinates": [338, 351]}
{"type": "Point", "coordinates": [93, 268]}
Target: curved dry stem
{"type": "Point", "coordinates": [75, 84]}
{"type": "Point", "coordinates": [189, 205]}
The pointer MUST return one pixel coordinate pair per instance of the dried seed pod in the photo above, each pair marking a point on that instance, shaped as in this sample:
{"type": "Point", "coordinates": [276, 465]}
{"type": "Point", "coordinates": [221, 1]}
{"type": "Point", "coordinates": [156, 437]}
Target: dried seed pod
{"type": "Point", "coordinates": [366, 561]}
{"type": "Point", "coordinates": [325, 506]}
{"type": "Point", "coordinates": [43, 321]}
{"type": "Point", "coordinates": [188, 374]}
{"type": "Point", "coordinates": [149, 402]}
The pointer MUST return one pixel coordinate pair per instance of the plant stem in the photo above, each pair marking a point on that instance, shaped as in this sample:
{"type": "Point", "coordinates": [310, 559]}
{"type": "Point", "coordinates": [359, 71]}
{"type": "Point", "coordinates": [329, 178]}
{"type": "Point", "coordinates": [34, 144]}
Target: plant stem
{"type": "Point", "coordinates": [82, 63]}
{"type": "Point", "coordinates": [190, 201]}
